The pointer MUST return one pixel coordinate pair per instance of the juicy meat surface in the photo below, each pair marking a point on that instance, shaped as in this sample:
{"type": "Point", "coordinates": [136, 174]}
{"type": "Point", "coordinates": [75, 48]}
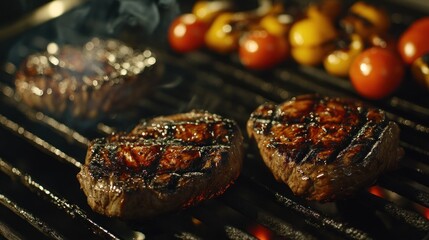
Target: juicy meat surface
{"type": "Point", "coordinates": [325, 148]}
{"type": "Point", "coordinates": [162, 165]}
{"type": "Point", "coordinates": [86, 81]}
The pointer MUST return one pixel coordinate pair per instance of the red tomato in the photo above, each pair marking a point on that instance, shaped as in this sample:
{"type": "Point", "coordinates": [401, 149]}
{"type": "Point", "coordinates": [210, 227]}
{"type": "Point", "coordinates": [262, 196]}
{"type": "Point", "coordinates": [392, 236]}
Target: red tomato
{"type": "Point", "coordinates": [420, 23]}
{"type": "Point", "coordinates": [186, 33]}
{"type": "Point", "coordinates": [413, 43]}
{"type": "Point", "coordinates": [376, 73]}
{"type": "Point", "coordinates": [261, 50]}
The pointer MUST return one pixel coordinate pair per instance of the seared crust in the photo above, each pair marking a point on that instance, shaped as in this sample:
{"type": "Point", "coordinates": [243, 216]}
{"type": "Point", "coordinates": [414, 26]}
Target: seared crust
{"type": "Point", "coordinates": [86, 82]}
{"type": "Point", "coordinates": [325, 148]}
{"type": "Point", "coordinates": [164, 164]}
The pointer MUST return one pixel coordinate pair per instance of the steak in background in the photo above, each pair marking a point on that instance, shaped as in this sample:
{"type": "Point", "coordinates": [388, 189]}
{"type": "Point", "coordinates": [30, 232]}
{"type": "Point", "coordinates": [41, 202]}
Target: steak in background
{"type": "Point", "coordinates": [165, 164]}
{"type": "Point", "coordinates": [325, 148]}
{"type": "Point", "coordinates": [86, 82]}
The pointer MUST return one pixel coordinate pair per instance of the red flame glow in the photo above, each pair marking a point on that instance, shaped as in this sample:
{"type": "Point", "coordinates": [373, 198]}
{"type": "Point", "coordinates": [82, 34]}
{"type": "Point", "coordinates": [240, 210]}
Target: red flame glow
{"type": "Point", "coordinates": [196, 221]}
{"type": "Point", "coordinates": [260, 232]}
{"type": "Point", "coordinates": [426, 213]}
{"type": "Point", "coordinates": [377, 191]}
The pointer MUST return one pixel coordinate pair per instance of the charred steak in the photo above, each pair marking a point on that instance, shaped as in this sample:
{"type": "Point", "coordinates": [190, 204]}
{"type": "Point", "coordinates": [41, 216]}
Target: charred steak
{"type": "Point", "coordinates": [164, 164]}
{"type": "Point", "coordinates": [325, 148]}
{"type": "Point", "coordinates": [86, 81]}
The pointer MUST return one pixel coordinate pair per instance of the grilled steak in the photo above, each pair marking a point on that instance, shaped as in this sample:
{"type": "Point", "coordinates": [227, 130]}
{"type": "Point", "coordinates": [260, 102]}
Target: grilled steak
{"type": "Point", "coordinates": [88, 81]}
{"type": "Point", "coordinates": [325, 148]}
{"type": "Point", "coordinates": [163, 164]}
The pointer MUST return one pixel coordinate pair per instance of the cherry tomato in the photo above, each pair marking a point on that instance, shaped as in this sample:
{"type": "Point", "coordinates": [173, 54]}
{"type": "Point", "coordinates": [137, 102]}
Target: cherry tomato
{"type": "Point", "coordinates": [261, 50]}
{"type": "Point", "coordinates": [413, 43]}
{"type": "Point", "coordinates": [187, 33]}
{"type": "Point", "coordinates": [376, 73]}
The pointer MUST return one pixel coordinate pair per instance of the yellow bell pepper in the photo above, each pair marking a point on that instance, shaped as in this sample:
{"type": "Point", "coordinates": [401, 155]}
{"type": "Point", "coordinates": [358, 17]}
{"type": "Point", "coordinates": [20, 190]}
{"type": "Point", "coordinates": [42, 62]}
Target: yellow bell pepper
{"type": "Point", "coordinates": [277, 24]}
{"type": "Point", "coordinates": [339, 61]}
{"type": "Point", "coordinates": [223, 35]}
{"type": "Point", "coordinates": [311, 40]}
{"type": "Point", "coordinates": [207, 11]}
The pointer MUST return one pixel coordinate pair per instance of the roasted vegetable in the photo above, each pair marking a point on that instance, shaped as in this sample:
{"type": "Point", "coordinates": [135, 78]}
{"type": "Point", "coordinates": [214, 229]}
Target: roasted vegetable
{"type": "Point", "coordinates": [207, 11]}
{"type": "Point", "coordinates": [420, 71]}
{"type": "Point", "coordinates": [223, 34]}
{"type": "Point", "coordinates": [376, 73]}
{"type": "Point", "coordinates": [339, 61]}
{"type": "Point", "coordinates": [311, 40]}
{"type": "Point", "coordinates": [277, 24]}
{"type": "Point", "coordinates": [260, 49]}
{"type": "Point", "coordinates": [414, 42]}
{"type": "Point", "coordinates": [366, 20]}
{"type": "Point", "coordinates": [187, 33]}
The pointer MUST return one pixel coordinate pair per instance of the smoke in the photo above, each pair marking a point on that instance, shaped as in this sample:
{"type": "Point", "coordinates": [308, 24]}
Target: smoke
{"type": "Point", "coordinates": [107, 18]}
{"type": "Point", "coordinates": [141, 19]}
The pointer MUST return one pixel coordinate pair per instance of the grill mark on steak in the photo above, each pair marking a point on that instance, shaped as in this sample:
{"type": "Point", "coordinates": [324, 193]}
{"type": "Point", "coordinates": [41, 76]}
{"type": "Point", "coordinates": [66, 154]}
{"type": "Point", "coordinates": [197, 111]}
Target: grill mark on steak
{"type": "Point", "coordinates": [307, 117]}
{"type": "Point", "coordinates": [117, 157]}
{"type": "Point", "coordinates": [328, 130]}
{"type": "Point", "coordinates": [264, 118]}
{"type": "Point", "coordinates": [345, 144]}
{"type": "Point", "coordinates": [365, 138]}
{"type": "Point", "coordinates": [163, 164]}
{"type": "Point", "coordinates": [325, 148]}
{"type": "Point", "coordinates": [210, 132]}
{"type": "Point", "coordinates": [305, 151]}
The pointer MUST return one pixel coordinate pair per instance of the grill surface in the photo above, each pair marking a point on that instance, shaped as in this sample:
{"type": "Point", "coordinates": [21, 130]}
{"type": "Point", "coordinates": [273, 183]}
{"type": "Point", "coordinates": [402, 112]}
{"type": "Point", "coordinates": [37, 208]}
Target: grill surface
{"type": "Point", "coordinates": [40, 157]}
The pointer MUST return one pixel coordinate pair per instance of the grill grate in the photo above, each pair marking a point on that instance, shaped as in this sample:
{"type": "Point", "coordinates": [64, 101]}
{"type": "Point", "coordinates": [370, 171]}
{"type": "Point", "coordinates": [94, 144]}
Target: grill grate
{"type": "Point", "coordinates": [40, 156]}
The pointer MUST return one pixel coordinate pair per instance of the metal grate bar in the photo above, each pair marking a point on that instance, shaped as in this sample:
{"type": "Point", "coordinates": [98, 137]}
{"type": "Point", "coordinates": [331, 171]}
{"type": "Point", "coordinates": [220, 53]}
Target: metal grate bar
{"type": "Point", "coordinates": [424, 153]}
{"type": "Point", "coordinates": [61, 203]}
{"type": "Point", "coordinates": [292, 77]}
{"type": "Point", "coordinates": [9, 233]}
{"type": "Point", "coordinates": [312, 215]}
{"type": "Point", "coordinates": [406, 216]}
{"type": "Point", "coordinates": [270, 90]}
{"type": "Point", "coordinates": [415, 174]}
{"type": "Point", "coordinates": [228, 222]}
{"type": "Point", "coordinates": [28, 217]}
{"type": "Point", "coordinates": [14, 127]}
{"type": "Point", "coordinates": [395, 185]}
{"type": "Point", "coordinates": [252, 203]}
{"type": "Point", "coordinates": [41, 118]}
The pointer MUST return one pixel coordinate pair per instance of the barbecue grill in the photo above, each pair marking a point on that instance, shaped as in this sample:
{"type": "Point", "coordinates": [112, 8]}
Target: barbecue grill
{"type": "Point", "coordinates": [40, 156]}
